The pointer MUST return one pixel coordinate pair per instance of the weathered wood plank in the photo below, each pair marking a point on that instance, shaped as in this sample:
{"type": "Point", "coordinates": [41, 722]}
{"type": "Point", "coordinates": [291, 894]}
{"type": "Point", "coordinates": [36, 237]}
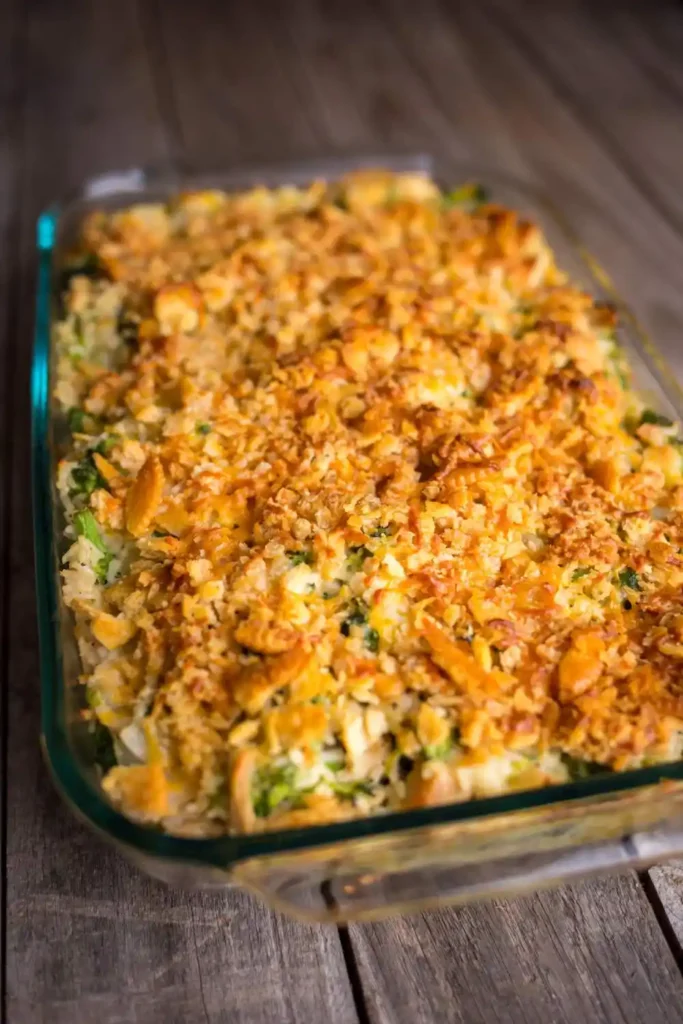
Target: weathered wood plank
{"type": "Point", "coordinates": [11, 26]}
{"type": "Point", "coordinates": [88, 937]}
{"type": "Point", "coordinates": [561, 956]}
{"type": "Point", "coordinates": [628, 61]}
{"type": "Point", "coordinates": [145, 953]}
{"type": "Point", "coordinates": [561, 152]}
{"type": "Point", "coordinates": [527, 110]}
{"type": "Point", "coordinates": [268, 81]}
{"type": "Point", "coordinates": [652, 41]}
{"type": "Point", "coordinates": [611, 215]}
{"type": "Point", "coordinates": [233, 101]}
{"type": "Point", "coordinates": [353, 74]}
{"type": "Point", "coordinates": [665, 879]}
{"type": "Point", "coordinates": [611, 96]}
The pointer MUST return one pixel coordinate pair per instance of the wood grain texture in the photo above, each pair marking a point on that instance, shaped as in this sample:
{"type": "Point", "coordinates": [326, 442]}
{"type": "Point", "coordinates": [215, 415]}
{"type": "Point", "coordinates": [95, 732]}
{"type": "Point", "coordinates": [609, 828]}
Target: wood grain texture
{"type": "Point", "coordinates": [141, 952]}
{"type": "Point", "coordinates": [610, 213]}
{"type": "Point", "coordinates": [631, 60]}
{"type": "Point", "coordinates": [89, 939]}
{"type": "Point", "coordinates": [233, 100]}
{"type": "Point", "coordinates": [11, 105]}
{"type": "Point", "coordinates": [563, 956]}
{"type": "Point", "coordinates": [449, 79]}
{"type": "Point", "coordinates": [560, 37]}
{"type": "Point", "coordinates": [667, 880]}
{"type": "Point", "coordinates": [214, 84]}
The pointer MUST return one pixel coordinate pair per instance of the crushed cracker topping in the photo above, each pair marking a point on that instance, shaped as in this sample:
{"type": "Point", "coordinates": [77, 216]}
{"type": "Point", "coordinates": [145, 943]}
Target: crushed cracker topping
{"type": "Point", "coordinates": [364, 511]}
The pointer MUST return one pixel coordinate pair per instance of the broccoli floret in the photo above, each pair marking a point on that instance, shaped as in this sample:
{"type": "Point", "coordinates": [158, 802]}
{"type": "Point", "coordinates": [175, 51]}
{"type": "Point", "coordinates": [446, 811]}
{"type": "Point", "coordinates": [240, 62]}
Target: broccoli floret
{"type": "Point", "coordinates": [85, 525]}
{"type": "Point", "coordinates": [273, 786]}
{"type": "Point", "coordinates": [350, 790]}
{"type": "Point", "coordinates": [628, 577]}
{"type": "Point", "coordinates": [300, 557]}
{"type": "Point", "coordinates": [356, 557]}
{"type": "Point", "coordinates": [371, 640]}
{"type": "Point", "coordinates": [650, 416]}
{"type": "Point", "coordinates": [581, 769]}
{"type": "Point", "coordinates": [467, 197]}
{"type": "Point", "coordinates": [357, 616]}
{"type": "Point", "coordinates": [381, 531]}
{"type": "Point", "coordinates": [76, 419]}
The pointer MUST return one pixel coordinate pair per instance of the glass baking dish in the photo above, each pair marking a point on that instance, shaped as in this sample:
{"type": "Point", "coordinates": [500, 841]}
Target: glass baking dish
{"type": "Point", "coordinates": [367, 867]}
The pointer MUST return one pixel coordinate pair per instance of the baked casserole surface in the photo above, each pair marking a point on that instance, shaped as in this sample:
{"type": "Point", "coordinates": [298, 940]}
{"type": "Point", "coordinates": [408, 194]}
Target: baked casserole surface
{"type": "Point", "coordinates": [362, 511]}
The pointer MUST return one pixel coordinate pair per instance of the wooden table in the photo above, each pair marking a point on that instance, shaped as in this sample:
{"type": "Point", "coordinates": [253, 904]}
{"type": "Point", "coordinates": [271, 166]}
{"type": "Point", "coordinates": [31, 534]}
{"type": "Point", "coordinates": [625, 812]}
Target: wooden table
{"type": "Point", "coordinates": [586, 100]}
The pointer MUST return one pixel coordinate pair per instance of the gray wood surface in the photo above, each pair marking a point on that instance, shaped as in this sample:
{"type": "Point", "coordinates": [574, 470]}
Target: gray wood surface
{"type": "Point", "coordinates": [88, 938]}
{"type": "Point", "coordinates": [585, 952]}
{"type": "Point", "coordinates": [85, 87]}
{"type": "Point", "coordinates": [9, 123]}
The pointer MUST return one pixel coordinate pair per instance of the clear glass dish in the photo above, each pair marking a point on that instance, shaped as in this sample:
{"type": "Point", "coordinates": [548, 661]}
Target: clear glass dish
{"type": "Point", "coordinates": [366, 867]}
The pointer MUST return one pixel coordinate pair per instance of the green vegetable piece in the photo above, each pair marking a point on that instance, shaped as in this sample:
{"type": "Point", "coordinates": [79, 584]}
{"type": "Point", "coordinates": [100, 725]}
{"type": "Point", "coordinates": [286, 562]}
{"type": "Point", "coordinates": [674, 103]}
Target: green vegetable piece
{"type": "Point", "coordinates": [371, 640]}
{"type": "Point", "coordinates": [300, 557]}
{"type": "Point", "coordinates": [438, 752]}
{"type": "Point", "coordinates": [102, 567]}
{"type": "Point", "coordinates": [357, 616]}
{"type": "Point", "coordinates": [273, 786]}
{"type": "Point", "coordinates": [356, 557]}
{"type": "Point", "coordinates": [105, 446]}
{"type": "Point", "coordinates": [86, 478]}
{"type": "Point", "coordinates": [628, 577]}
{"type": "Point", "coordinates": [203, 428]}
{"type": "Point", "coordinates": [581, 769]}
{"type": "Point", "coordinates": [581, 572]}
{"type": "Point", "coordinates": [103, 753]}
{"type": "Point", "coordinates": [280, 792]}
{"type": "Point", "coordinates": [650, 416]}
{"type": "Point", "coordinates": [350, 790]}
{"type": "Point", "coordinates": [76, 419]}
{"type": "Point", "coordinates": [467, 197]}
{"type": "Point", "coordinates": [623, 378]}
{"type": "Point", "coordinates": [381, 531]}
{"type": "Point", "coordinates": [85, 525]}
{"type": "Point", "coordinates": [92, 697]}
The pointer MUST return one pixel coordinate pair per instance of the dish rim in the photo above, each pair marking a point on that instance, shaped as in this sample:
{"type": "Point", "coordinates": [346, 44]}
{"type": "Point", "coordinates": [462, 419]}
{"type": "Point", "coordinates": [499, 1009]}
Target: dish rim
{"type": "Point", "coordinates": [86, 798]}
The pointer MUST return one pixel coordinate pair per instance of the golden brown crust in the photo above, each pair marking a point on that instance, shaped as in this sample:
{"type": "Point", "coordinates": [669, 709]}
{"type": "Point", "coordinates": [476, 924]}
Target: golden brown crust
{"type": "Point", "coordinates": [374, 479]}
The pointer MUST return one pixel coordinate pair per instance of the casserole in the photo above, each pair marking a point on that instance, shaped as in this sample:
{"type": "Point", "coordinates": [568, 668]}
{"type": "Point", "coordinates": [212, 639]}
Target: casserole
{"type": "Point", "coordinates": [458, 831]}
